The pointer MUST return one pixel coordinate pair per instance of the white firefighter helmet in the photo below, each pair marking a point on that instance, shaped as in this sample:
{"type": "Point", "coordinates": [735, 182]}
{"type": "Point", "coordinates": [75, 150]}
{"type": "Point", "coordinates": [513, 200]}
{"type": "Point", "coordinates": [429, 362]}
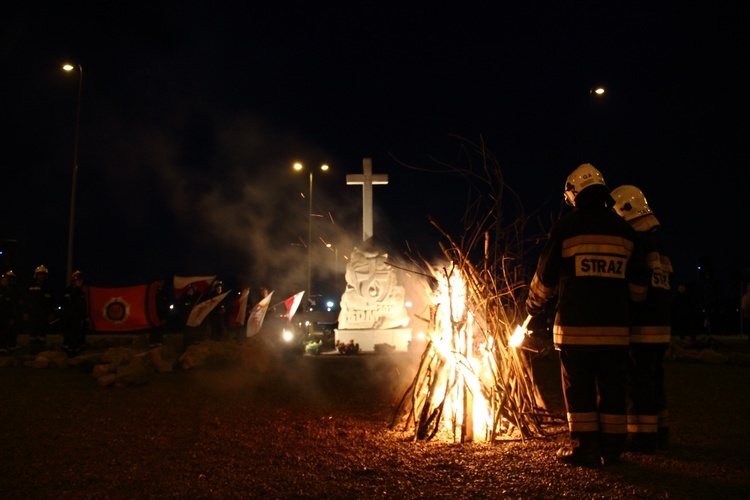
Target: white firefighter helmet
{"type": "Point", "coordinates": [630, 202]}
{"type": "Point", "coordinates": [582, 177]}
{"type": "Point", "coordinates": [41, 269]}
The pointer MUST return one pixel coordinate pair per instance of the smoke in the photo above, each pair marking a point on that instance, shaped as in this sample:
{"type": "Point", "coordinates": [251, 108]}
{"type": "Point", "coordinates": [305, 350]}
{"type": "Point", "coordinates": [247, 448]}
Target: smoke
{"type": "Point", "coordinates": [216, 194]}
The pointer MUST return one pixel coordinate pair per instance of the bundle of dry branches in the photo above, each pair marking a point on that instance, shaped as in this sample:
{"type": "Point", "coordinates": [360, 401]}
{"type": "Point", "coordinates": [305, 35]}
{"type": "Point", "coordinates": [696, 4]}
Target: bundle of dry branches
{"type": "Point", "coordinates": [470, 382]}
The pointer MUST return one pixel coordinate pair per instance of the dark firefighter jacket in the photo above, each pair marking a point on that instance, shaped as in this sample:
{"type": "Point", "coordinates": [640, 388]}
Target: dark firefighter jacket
{"type": "Point", "coordinates": [597, 264]}
{"type": "Point", "coordinates": [651, 318]}
{"type": "Point", "coordinates": [39, 300]}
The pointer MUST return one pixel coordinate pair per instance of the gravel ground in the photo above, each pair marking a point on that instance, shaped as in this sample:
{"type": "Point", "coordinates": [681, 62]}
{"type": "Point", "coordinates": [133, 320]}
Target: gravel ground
{"type": "Point", "coordinates": [318, 427]}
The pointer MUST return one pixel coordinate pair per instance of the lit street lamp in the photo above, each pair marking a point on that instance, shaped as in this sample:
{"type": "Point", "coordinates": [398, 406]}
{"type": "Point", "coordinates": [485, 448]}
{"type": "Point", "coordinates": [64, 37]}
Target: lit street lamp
{"type": "Point", "coordinates": [335, 251]}
{"type": "Point", "coordinates": [71, 224]}
{"type": "Point", "coordinates": [299, 166]}
{"type": "Point", "coordinates": [594, 93]}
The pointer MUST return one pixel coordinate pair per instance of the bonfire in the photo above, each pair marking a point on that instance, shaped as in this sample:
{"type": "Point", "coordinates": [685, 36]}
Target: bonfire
{"type": "Point", "coordinates": [475, 380]}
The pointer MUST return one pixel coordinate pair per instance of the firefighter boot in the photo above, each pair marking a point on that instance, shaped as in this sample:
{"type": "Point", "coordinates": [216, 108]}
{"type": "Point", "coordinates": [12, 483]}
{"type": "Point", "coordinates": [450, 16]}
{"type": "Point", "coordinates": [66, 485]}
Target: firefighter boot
{"type": "Point", "coordinates": [612, 447]}
{"type": "Point", "coordinates": [575, 455]}
{"type": "Point", "coordinates": [584, 451]}
{"type": "Point", "coordinates": [641, 442]}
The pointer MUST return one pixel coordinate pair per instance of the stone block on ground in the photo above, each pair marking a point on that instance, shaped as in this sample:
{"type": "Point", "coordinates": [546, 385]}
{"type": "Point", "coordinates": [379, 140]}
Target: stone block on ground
{"type": "Point", "coordinates": [163, 358]}
{"type": "Point", "coordinates": [50, 359]}
{"type": "Point", "coordinates": [117, 356]}
{"type": "Point", "coordinates": [86, 360]}
{"type": "Point", "coordinates": [7, 361]}
{"type": "Point", "coordinates": [107, 379]}
{"type": "Point", "coordinates": [102, 369]}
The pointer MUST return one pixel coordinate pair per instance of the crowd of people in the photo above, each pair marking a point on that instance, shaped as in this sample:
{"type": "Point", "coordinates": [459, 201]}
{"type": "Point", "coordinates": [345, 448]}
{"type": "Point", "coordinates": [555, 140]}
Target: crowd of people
{"type": "Point", "coordinates": [30, 309]}
{"type": "Point", "coordinates": [34, 310]}
{"type": "Point", "coordinates": [611, 281]}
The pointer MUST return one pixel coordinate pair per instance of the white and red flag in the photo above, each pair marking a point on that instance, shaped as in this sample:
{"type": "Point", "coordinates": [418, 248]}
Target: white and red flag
{"type": "Point", "coordinates": [201, 283]}
{"type": "Point", "coordinates": [255, 321]}
{"type": "Point", "coordinates": [238, 311]}
{"type": "Point", "coordinates": [292, 303]}
{"type": "Point", "coordinates": [201, 309]}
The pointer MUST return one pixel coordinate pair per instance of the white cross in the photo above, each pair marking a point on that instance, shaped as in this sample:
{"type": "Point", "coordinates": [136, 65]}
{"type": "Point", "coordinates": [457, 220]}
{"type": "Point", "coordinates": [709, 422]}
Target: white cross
{"type": "Point", "coordinates": [367, 179]}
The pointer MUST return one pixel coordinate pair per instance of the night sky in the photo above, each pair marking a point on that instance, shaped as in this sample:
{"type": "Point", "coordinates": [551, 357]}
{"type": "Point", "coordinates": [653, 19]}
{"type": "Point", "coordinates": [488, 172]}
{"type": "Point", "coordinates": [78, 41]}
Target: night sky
{"type": "Point", "coordinates": [193, 113]}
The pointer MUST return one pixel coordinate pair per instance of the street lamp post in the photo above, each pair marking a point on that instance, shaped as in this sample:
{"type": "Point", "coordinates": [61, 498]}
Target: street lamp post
{"type": "Point", "coordinates": [299, 166]}
{"type": "Point", "coordinates": [74, 183]}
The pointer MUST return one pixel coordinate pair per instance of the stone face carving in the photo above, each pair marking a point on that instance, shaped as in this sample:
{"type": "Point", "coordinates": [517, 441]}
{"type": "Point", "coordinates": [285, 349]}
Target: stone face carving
{"type": "Point", "coordinates": [374, 298]}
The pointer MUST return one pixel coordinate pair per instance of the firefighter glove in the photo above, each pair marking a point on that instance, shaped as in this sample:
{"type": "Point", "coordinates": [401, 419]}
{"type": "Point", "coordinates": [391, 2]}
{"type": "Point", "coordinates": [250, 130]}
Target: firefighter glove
{"type": "Point", "coordinates": [532, 309]}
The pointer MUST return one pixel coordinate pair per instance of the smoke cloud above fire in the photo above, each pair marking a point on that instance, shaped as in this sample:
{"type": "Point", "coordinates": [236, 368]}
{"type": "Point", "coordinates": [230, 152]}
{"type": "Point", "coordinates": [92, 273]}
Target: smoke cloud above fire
{"type": "Point", "coordinates": [216, 194]}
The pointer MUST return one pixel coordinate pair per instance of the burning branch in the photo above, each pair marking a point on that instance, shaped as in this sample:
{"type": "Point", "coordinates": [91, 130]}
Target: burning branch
{"type": "Point", "coordinates": [473, 380]}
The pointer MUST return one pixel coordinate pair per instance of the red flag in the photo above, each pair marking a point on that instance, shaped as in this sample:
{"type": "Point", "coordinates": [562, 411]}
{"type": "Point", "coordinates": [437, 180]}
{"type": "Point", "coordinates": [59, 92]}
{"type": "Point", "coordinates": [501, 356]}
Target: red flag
{"type": "Point", "coordinates": [122, 309]}
{"type": "Point", "coordinates": [239, 308]}
{"type": "Point", "coordinates": [256, 316]}
{"type": "Point", "coordinates": [180, 283]}
{"type": "Point", "coordinates": [201, 309]}
{"type": "Point", "coordinates": [292, 303]}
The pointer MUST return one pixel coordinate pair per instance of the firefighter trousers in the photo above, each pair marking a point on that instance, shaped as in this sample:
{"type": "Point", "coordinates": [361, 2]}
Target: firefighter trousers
{"type": "Point", "coordinates": [594, 386]}
{"type": "Point", "coordinates": [647, 397]}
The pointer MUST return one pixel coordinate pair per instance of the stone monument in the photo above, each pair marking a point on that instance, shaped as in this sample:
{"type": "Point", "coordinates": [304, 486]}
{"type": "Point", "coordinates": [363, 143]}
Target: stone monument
{"type": "Point", "coordinates": [373, 310]}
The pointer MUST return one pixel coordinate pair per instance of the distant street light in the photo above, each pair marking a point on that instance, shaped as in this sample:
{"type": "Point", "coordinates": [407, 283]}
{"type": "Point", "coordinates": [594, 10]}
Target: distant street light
{"type": "Point", "coordinates": [335, 251]}
{"type": "Point", "coordinates": [298, 166]}
{"type": "Point", "coordinates": [74, 183]}
{"type": "Point", "coordinates": [594, 93]}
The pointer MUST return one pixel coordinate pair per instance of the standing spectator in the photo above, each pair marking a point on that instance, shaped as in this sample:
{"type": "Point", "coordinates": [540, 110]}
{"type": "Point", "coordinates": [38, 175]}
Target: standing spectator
{"type": "Point", "coordinates": [7, 314]}
{"type": "Point", "coordinates": [38, 310]}
{"type": "Point", "coordinates": [75, 319]}
{"type": "Point", "coordinates": [156, 334]}
{"type": "Point", "coordinates": [650, 331]}
{"type": "Point", "coordinates": [185, 306]}
{"type": "Point", "coordinates": [746, 310]}
{"type": "Point", "coordinates": [684, 314]}
{"type": "Point", "coordinates": [595, 262]}
{"type": "Point", "coordinates": [215, 319]}
{"type": "Point", "coordinates": [17, 310]}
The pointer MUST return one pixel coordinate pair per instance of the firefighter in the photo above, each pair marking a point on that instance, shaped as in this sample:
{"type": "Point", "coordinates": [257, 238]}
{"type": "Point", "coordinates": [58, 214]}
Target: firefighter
{"type": "Point", "coordinates": [595, 265]}
{"type": "Point", "coordinates": [38, 310]}
{"type": "Point", "coordinates": [75, 320]}
{"type": "Point", "coordinates": [650, 331]}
